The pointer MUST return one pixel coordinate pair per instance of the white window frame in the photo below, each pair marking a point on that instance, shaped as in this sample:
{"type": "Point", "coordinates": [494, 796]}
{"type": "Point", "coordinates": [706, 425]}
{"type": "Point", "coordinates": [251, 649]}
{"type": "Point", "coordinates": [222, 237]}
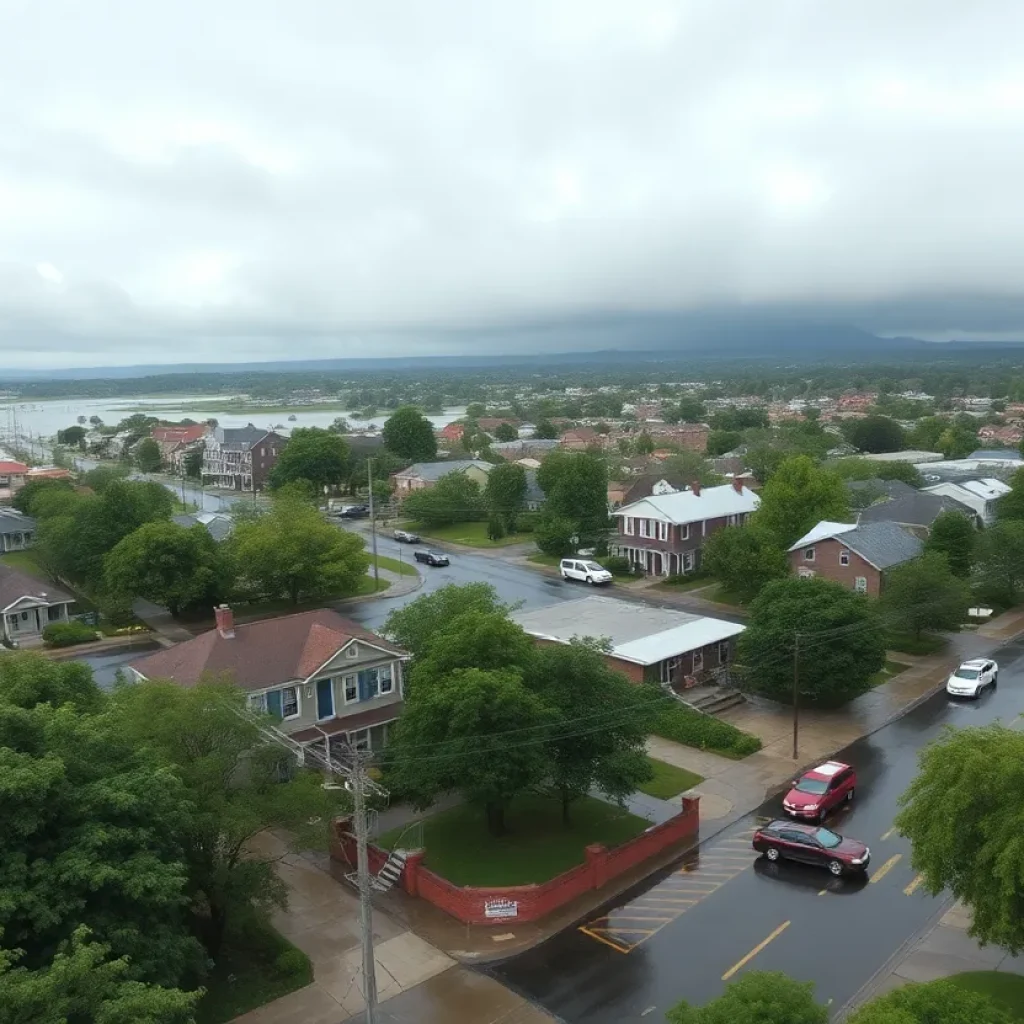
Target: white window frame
{"type": "Point", "coordinates": [860, 584]}
{"type": "Point", "coordinates": [298, 703]}
{"type": "Point", "coordinates": [628, 527]}
{"type": "Point", "coordinates": [808, 554]}
{"type": "Point", "coordinates": [381, 680]}
{"type": "Point", "coordinates": [688, 561]}
{"type": "Point", "coordinates": [684, 531]}
{"type": "Point", "coordinates": [258, 702]}
{"type": "Point", "coordinates": [666, 667]}
{"type": "Point", "coordinates": [645, 529]}
{"type": "Point", "coordinates": [844, 557]}
{"type": "Point", "coordinates": [663, 529]}
{"type": "Point", "coordinates": [355, 685]}
{"type": "Point", "coordinates": [359, 739]}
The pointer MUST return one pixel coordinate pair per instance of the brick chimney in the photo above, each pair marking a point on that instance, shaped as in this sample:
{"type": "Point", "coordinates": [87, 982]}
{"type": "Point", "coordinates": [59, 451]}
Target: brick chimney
{"type": "Point", "coordinates": [695, 487]}
{"type": "Point", "coordinates": [737, 485]}
{"type": "Point", "coordinates": [225, 621]}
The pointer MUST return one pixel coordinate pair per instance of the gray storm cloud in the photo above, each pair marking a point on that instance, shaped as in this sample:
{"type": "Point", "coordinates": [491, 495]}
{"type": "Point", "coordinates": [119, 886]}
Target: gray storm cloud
{"type": "Point", "coordinates": [235, 174]}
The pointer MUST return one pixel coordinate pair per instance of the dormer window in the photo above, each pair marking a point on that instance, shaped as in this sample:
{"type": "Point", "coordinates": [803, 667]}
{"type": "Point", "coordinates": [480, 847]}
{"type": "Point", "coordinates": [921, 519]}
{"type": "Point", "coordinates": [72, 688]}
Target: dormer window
{"type": "Point", "coordinates": [808, 554]}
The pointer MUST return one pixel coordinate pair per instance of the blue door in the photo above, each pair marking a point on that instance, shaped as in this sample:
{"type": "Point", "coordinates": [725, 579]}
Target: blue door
{"type": "Point", "coordinates": [274, 703]}
{"type": "Point", "coordinates": [325, 698]}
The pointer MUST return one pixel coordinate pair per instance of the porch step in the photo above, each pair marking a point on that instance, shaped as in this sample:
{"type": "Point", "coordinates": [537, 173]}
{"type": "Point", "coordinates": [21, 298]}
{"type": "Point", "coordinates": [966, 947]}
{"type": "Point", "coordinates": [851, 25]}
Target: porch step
{"type": "Point", "coordinates": [391, 872]}
{"type": "Point", "coordinates": [720, 700]}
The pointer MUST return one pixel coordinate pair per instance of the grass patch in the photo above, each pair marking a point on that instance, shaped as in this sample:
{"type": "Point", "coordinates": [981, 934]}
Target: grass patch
{"type": "Point", "coordinates": [1005, 990]}
{"type": "Point", "coordinates": [245, 611]}
{"type": "Point", "coordinates": [256, 966]}
{"type": "Point", "coordinates": [541, 559]}
{"type": "Point", "coordinates": [402, 567]}
{"type": "Point", "coordinates": [669, 781]}
{"type": "Point", "coordinates": [23, 561]}
{"type": "Point", "coordinates": [887, 672]}
{"type": "Point", "coordinates": [537, 845]}
{"type": "Point", "coordinates": [692, 729]}
{"type": "Point", "coordinates": [681, 584]}
{"type": "Point", "coordinates": [926, 643]}
{"type": "Point", "coordinates": [720, 595]}
{"type": "Point", "coordinates": [472, 535]}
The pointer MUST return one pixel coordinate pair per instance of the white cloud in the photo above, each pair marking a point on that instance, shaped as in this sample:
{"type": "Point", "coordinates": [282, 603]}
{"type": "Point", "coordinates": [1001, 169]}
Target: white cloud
{"type": "Point", "coordinates": [263, 173]}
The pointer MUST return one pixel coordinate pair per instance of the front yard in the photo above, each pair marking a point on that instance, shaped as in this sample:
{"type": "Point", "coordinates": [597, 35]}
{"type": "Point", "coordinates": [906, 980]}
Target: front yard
{"type": "Point", "coordinates": [401, 567]}
{"type": "Point", "coordinates": [887, 672]}
{"type": "Point", "coordinates": [669, 781]}
{"type": "Point", "coordinates": [536, 847]}
{"type": "Point", "coordinates": [472, 535]}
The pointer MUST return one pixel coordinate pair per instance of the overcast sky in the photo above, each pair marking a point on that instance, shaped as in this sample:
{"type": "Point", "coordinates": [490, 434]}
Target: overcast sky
{"type": "Point", "coordinates": [245, 179]}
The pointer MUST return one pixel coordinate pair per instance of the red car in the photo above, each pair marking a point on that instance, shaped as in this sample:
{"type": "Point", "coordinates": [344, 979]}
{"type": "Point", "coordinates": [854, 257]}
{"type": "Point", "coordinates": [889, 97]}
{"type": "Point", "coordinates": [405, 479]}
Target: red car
{"type": "Point", "coordinates": [812, 844]}
{"type": "Point", "coordinates": [820, 790]}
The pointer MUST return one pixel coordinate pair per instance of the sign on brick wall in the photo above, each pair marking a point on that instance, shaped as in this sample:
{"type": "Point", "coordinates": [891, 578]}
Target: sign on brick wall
{"type": "Point", "coordinates": [501, 908]}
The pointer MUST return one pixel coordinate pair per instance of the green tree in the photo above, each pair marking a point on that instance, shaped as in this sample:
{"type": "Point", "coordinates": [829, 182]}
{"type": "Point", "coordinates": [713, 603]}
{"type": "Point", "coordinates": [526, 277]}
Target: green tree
{"type": "Point", "coordinates": [99, 478]}
{"type": "Point", "coordinates": [148, 456]}
{"type": "Point", "coordinates": [200, 735]}
{"type": "Point", "coordinates": [1011, 506]}
{"type": "Point", "coordinates": [999, 566]}
{"type": "Point", "coordinates": [545, 429]}
{"type": "Point", "coordinates": [722, 441]}
{"type": "Point", "coordinates": [408, 433]}
{"type": "Point", "coordinates": [82, 984]}
{"type": "Point", "coordinates": [340, 425]}
{"type": "Point", "coordinates": [292, 552]}
{"type": "Point", "coordinates": [690, 466]}
{"type": "Point", "coordinates": [759, 997]}
{"type": "Point", "coordinates": [505, 432]}
{"type": "Point", "coordinates": [171, 565]}
{"type": "Point", "coordinates": [92, 828]}
{"type": "Point", "coordinates": [936, 1002]}
{"type": "Point", "coordinates": [798, 496]}
{"type": "Point", "coordinates": [743, 559]}
{"type": "Point", "coordinates": [958, 441]}
{"type": "Point", "coordinates": [926, 433]}
{"type": "Point", "coordinates": [473, 722]}
{"type": "Point", "coordinates": [688, 410]}
{"type": "Point", "coordinates": [554, 534]}
{"type": "Point", "coordinates": [924, 594]}
{"type": "Point", "coordinates": [576, 683]}
{"type": "Point", "coordinates": [867, 469]}
{"type": "Point", "coordinates": [318, 456]}
{"type": "Point", "coordinates": [475, 410]}
{"type": "Point", "coordinates": [25, 499]}
{"type": "Point", "coordinates": [877, 434]}
{"type": "Point", "coordinates": [953, 535]}
{"type": "Point", "coordinates": [505, 493]}
{"type": "Point", "coordinates": [842, 641]}
{"type": "Point", "coordinates": [740, 419]}
{"type": "Point", "coordinates": [73, 437]}
{"type": "Point", "coordinates": [420, 624]}
{"type": "Point", "coordinates": [962, 816]}
{"type": "Point", "coordinates": [455, 498]}
{"type": "Point", "coordinates": [193, 463]}
{"type": "Point", "coordinates": [575, 486]}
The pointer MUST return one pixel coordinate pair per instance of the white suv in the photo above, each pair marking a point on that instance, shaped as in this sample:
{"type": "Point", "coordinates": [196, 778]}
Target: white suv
{"type": "Point", "coordinates": [580, 569]}
{"type": "Point", "coordinates": [972, 678]}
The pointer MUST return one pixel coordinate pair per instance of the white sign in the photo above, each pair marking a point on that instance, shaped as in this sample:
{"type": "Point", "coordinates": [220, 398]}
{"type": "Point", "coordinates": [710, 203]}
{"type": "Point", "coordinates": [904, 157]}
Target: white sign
{"type": "Point", "coordinates": [501, 908]}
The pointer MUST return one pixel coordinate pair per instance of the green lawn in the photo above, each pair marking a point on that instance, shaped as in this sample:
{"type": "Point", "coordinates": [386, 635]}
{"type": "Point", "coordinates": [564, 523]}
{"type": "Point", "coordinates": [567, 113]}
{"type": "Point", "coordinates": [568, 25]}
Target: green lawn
{"type": "Point", "coordinates": [669, 781]}
{"type": "Point", "coordinates": [24, 561]}
{"type": "Point", "coordinates": [1007, 990]}
{"type": "Point", "coordinates": [926, 643]}
{"type": "Point", "coordinates": [472, 535]}
{"type": "Point", "coordinates": [404, 567]}
{"type": "Point", "coordinates": [680, 584]}
{"type": "Point", "coordinates": [282, 606]}
{"type": "Point", "coordinates": [536, 846]}
{"type": "Point", "coordinates": [256, 966]}
{"type": "Point", "coordinates": [720, 595]}
{"type": "Point", "coordinates": [887, 671]}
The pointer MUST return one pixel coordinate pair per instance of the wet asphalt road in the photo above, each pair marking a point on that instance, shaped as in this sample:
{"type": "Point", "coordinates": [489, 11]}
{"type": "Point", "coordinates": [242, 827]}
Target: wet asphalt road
{"type": "Point", "coordinates": [678, 933]}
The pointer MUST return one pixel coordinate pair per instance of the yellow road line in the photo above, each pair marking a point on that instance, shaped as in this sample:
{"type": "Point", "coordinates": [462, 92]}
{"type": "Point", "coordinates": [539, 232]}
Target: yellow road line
{"type": "Point", "coordinates": [757, 949]}
{"type": "Point", "coordinates": [909, 891]}
{"type": "Point", "coordinates": [886, 868]}
{"type": "Point", "coordinates": [889, 833]}
{"type": "Point", "coordinates": [823, 891]}
{"type": "Point", "coordinates": [601, 938]}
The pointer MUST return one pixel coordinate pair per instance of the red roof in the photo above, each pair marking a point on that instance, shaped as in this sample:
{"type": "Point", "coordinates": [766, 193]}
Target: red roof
{"type": "Point", "coordinates": [261, 654]}
{"type": "Point", "coordinates": [179, 435]}
{"type": "Point", "coordinates": [9, 466]}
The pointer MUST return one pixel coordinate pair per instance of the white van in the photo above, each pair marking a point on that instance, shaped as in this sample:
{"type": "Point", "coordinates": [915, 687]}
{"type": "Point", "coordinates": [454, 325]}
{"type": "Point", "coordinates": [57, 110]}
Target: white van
{"type": "Point", "coordinates": [582, 569]}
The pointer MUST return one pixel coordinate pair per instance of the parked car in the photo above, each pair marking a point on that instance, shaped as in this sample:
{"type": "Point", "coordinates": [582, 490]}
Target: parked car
{"type": "Point", "coordinates": [404, 537]}
{"type": "Point", "coordinates": [820, 790]}
{"type": "Point", "coordinates": [431, 557]}
{"type": "Point", "coordinates": [811, 844]}
{"type": "Point", "coordinates": [973, 678]}
{"type": "Point", "coordinates": [585, 571]}
{"type": "Point", "coordinates": [355, 512]}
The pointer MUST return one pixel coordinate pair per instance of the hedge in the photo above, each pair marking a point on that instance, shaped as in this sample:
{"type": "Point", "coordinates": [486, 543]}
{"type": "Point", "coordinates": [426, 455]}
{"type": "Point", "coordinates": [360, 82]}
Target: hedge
{"type": "Point", "coordinates": [67, 634]}
{"type": "Point", "coordinates": [683, 725]}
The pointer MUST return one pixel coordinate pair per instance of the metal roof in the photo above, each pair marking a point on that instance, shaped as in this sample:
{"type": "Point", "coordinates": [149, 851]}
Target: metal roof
{"type": "Point", "coordinates": [435, 470]}
{"type": "Point", "coordinates": [688, 507]}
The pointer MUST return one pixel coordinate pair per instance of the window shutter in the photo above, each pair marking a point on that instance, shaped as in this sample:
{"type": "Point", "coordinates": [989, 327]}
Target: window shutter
{"type": "Point", "coordinates": [364, 685]}
{"type": "Point", "coordinates": [274, 703]}
{"type": "Point", "coordinates": [324, 698]}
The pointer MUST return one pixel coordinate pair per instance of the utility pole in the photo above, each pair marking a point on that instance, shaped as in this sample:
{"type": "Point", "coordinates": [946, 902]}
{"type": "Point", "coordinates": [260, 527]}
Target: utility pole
{"type": "Point", "coordinates": [796, 694]}
{"type": "Point", "coordinates": [356, 786]}
{"type": "Point", "coordinates": [373, 526]}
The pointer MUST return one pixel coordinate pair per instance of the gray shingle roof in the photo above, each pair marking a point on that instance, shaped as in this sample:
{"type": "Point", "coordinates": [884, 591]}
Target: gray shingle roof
{"type": "Point", "coordinates": [914, 509]}
{"type": "Point", "coordinates": [435, 470]}
{"type": "Point", "coordinates": [12, 521]}
{"type": "Point", "coordinates": [884, 545]}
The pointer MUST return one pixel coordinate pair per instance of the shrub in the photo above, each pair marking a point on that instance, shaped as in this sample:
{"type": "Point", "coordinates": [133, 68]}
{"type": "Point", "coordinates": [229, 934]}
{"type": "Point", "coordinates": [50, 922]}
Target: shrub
{"type": "Point", "coordinates": [617, 564]}
{"type": "Point", "coordinates": [704, 732]}
{"type": "Point", "coordinates": [292, 963]}
{"type": "Point", "coordinates": [66, 634]}
{"type": "Point", "coordinates": [526, 522]}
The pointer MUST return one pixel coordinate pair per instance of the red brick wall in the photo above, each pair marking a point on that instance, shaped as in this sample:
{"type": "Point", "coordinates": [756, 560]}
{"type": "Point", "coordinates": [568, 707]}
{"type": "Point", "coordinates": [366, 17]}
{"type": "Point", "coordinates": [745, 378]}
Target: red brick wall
{"type": "Point", "coordinates": [468, 903]}
{"type": "Point", "coordinates": [827, 565]}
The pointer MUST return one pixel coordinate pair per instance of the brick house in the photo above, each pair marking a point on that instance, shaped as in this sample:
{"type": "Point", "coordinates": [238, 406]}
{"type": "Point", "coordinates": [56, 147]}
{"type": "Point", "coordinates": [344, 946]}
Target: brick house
{"type": "Point", "coordinates": [12, 478]}
{"type": "Point", "coordinates": [580, 438]}
{"type": "Point", "coordinates": [857, 556]}
{"type": "Point", "coordinates": [174, 442]}
{"type": "Point", "coordinates": [663, 534]}
{"type": "Point", "coordinates": [452, 433]}
{"type": "Point", "coordinates": [649, 645]}
{"type": "Point", "coordinates": [241, 458]}
{"type": "Point", "coordinates": [325, 677]}
{"type": "Point", "coordinates": [692, 436]}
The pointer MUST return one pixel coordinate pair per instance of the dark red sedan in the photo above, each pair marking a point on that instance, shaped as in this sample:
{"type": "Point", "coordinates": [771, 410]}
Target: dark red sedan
{"type": "Point", "coordinates": [812, 844]}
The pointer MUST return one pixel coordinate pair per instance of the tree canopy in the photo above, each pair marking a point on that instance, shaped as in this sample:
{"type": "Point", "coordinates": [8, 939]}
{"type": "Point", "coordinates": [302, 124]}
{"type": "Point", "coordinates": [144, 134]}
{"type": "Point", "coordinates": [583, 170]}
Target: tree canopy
{"type": "Point", "coordinates": [936, 1002]}
{"type": "Point", "coordinates": [455, 498]}
{"type": "Point", "coordinates": [1011, 506]}
{"type": "Point", "coordinates": [877, 434]}
{"type": "Point", "coordinates": [505, 432]}
{"type": "Point", "coordinates": [798, 496]}
{"type": "Point", "coordinates": [409, 434]}
{"type": "Point", "coordinates": [758, 997]}
{"type": "Point", "coordinates": [744, 559]}
{"type": "Point", "coordinates": [842, 641]}
{"type": "Point", "coordinates": [924, 594]}
{"type": "Point", "coordinates": [999, 566]}
{"type": "Point", "coordinates": [505, 493]}
{"type": "Point", "coordinates": [320, 457]}
{"type": "Point", "coordinates": [148, 456]}
{"type": "Point", "coordinates": [953, 534]}
{"type": "Point", "coordinates": [575, 486]}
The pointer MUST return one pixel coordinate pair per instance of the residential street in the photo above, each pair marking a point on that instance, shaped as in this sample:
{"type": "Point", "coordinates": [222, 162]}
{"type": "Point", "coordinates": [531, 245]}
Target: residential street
{"type": "Point", "coordinates": [683, 932]}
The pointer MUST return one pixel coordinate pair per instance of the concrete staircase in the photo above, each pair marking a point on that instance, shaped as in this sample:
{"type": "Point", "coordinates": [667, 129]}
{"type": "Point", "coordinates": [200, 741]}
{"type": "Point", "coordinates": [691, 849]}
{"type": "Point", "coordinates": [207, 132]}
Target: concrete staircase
{"type": "Point", "coordinates": [391, 872]}
{"type": "Point", "coordinates": [719, 699]}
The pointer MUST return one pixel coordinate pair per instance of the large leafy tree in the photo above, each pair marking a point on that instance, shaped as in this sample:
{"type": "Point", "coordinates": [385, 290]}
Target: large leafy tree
{"type": "Point", "coordinates": [856, 468]}
{"type": "Point", "coordinates": [419, 626]}
{"type": "Point", "coordinates": [505, 493]}
{"type": "Point", "coordinates": [937, 1002]}
{"type": "Point", "coordinates": [689, 465]}
{"type": "Point", "coordinates": [487, 640]}
{"type": "Point", "coordinates": [842, 643]}
{"type": "Point", "coordinates": [744, 559]}
{"type": "Point", "coordinates": [953, 535]}
{"type": "Point", "coordinates": [408, 433]}
{"type": "Point", "coordinates": [505, 432]}
{"type": "Point", "coordinates": [148, 456]}
{"type": "Point", "coordinates": [798, 496]}
{"type": "Point", "coordinates": [877, 434]}
{"type": "Point", "coordinates": [962, 815]}
{"type": "Point", "coordinates": [318, 456]}
{"type": "Point", "coordinates": [455, 498]}
{"type": "Point", "coordinates": [1000, 562]}
{"type": "Point", "coordinates": [292, 552]}
{"type": "Point", "coordinates": [25, 499]}
{"type": "Point", "coordinates": [201, 735]}
{"type": "Point", "coordinates": [476, 732]}
{"type": "Point", "coordinates": [172, 565]}
{"type": "Point", "coordinates": [1011, 506]}
{"type": "Point", "coordinates": [575, 486]}
{"type": "Point", "coordinates": [924, 594]}
{"type": "Point", "coordinates": [192, 463]}
{"type": "Point", "coordinates": [601, 725]}
{"type": "Point", "coordinates": [92, 828]}
{"type": "Point", "coordinates": [759, 997]}
{"type": "Point", "coordinates": [722, 441]}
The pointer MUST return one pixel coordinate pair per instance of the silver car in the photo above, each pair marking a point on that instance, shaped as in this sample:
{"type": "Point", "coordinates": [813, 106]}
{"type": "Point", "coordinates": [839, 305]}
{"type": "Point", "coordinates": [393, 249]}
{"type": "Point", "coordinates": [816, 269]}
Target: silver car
{"type": "Point", "coordinates": [973, 678]}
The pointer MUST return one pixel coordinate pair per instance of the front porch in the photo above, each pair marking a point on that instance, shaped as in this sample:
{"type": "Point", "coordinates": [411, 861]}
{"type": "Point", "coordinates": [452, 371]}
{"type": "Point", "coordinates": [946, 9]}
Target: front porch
{"type": "Point", "coordinates": [656, 562]}
{"type": "Point", "coordinates": [24, 621]}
